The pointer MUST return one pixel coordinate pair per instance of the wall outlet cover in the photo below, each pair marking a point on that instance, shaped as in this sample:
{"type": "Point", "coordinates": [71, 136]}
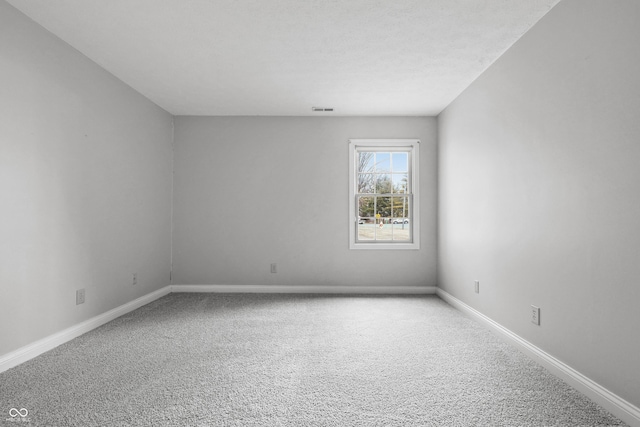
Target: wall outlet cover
{"type": "Point", "coordinates": [535, 315]}
{"type": "Point", "coordinates": [80, 296]}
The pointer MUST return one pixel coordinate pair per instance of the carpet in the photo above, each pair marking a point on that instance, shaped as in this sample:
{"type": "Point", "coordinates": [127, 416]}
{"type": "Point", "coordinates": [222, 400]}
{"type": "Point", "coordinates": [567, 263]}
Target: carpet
{"type": "Point", "coordinates": [291, 360]}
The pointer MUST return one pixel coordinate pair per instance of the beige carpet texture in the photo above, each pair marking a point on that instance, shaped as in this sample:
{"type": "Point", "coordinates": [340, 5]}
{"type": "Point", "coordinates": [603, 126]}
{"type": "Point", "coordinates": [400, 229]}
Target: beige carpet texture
{"type": "Point", "coordinates": [291, 360]}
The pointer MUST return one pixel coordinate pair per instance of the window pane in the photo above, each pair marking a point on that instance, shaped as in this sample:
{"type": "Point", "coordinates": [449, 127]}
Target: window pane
{"type": "Point", "coordinates": [366, 231]}
{"type": "Point", "coordinates": [400, 182]}
{"type": "Point", "coordinates": [383, 231]}
{"type": "Point", "coordinates": [383, 184]}
{"type": "Point", "coordinates": [383, 162]}
{"type": "Point", "coordinates": [366, 208]}
{"type": "Point", "coordinates": [366, 161]}
{"type": "Point", "coordinates": [400, 162]}
{"type": "Point", "coordinates": [400, 211]}
{"type": "Point", "coordinates": [366, 183]}
{"type": "Point", "coordinates": [383, 208]}
{"type": "Point", "coordinates": [401, 232]}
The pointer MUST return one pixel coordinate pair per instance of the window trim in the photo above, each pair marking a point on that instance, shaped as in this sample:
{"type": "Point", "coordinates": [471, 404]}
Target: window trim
{"type": "Point", "coordinates": [379, 145]}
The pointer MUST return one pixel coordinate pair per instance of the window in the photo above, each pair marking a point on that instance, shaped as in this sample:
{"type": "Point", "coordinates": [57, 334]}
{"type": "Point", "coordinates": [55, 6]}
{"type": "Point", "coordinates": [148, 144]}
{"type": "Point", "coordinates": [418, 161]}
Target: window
{"type": "Point", "coordinates": [383, 194]}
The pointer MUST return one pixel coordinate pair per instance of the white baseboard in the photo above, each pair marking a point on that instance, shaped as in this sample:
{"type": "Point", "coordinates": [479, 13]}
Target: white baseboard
{"type": "Point", "coordinates": [21, 355]}
{"type": "Point", "coordinates": [613, 403]}
{"type": "Point", "coordinates": [278, 289]}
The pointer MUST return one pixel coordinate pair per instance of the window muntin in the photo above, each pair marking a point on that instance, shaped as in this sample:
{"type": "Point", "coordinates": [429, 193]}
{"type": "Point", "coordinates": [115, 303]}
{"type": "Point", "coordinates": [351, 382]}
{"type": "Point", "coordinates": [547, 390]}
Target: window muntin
{"type": "Point", "coordinates": [382, 196]}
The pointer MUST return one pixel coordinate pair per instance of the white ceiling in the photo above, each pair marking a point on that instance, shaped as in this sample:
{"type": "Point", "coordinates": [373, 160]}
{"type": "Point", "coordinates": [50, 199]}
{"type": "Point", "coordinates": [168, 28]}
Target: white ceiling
{"type": "Point", "coordinates": [282, 57]}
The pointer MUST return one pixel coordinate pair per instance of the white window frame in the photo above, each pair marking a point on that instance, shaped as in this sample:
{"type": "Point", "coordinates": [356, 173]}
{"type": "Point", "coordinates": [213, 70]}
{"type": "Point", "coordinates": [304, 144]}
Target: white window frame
{"type": "Point", "coordinates": [356, 145]}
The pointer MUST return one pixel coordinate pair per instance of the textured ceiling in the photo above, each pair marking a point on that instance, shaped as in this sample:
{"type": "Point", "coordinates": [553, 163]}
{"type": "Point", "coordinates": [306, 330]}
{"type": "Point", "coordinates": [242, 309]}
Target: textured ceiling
{"type": "Point", "coordinates": [282, 57]}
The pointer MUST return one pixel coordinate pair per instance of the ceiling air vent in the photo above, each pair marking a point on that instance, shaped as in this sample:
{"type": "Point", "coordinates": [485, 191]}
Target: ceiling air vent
{"type": "Point", "coordinates": [318, 109]}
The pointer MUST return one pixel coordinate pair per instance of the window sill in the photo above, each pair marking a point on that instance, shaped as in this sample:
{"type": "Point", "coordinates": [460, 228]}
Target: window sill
{"type": "Point", "coordinates": [387, 246]}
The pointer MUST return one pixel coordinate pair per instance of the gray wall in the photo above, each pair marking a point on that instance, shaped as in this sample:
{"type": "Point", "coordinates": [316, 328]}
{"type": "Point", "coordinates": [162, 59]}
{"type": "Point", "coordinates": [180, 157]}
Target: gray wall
{"type": "Point", "coordinates": [539, 189]}
{"type": "Point", "coordinates": [85, 183]}
{"type": "Point", "coordinates": [250, 191]}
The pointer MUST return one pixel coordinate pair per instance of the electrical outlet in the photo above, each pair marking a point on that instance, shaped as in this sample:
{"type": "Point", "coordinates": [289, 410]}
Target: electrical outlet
{"type": "Point", "coordinates": [134, 279]}
{"type": "Point", "coordinates": [535, 315]}
{"type": "Point", "coordinates": [274, 268]}
{"type": "Point", "coordinates": [80, 296]}
{"type": "Point", "coordinates": [477, 286]}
